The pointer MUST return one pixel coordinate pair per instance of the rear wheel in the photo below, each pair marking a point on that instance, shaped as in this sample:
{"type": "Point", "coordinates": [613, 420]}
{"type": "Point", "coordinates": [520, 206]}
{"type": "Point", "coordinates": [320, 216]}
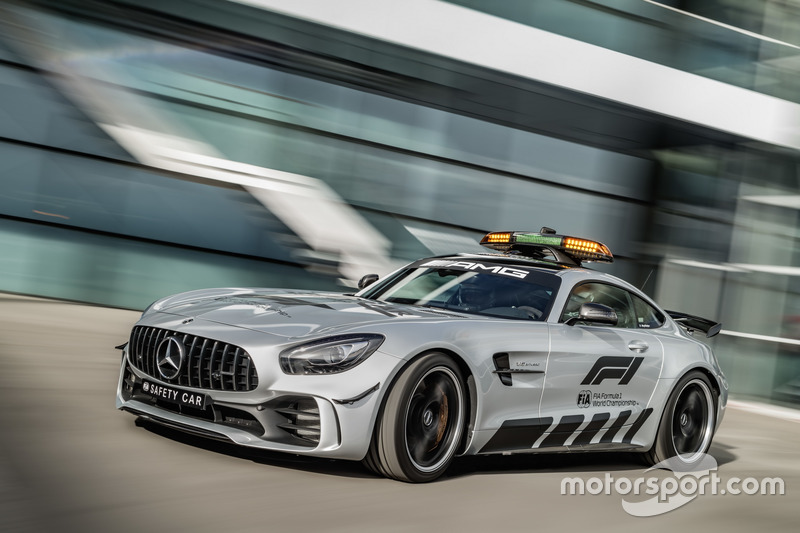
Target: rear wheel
{"type": "Point", "coordinates": [418, 432]}
{"type": "Point", "coordinates": [687, 425]}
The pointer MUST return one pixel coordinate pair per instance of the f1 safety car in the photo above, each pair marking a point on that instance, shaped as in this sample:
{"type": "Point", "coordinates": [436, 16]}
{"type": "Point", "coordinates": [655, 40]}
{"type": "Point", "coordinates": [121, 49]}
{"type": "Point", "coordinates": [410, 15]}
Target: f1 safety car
{"type": "Point", "coordinates": [519, 350]}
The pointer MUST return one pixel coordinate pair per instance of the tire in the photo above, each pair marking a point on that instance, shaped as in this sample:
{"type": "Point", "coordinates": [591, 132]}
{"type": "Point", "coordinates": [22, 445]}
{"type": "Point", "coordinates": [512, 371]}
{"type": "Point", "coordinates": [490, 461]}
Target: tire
{"type": "Point", "coordinates": [419, 430]}
{"type": "Point", "coordinates": [687, 424]}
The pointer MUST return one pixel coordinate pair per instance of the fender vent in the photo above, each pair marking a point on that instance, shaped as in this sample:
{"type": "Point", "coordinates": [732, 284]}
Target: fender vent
{"type": "Point", "coordinates": [502, 368]}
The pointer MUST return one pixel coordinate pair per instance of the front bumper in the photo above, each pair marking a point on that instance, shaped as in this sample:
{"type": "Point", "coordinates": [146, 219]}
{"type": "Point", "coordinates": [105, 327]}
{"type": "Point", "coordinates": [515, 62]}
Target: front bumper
{"type": "Point", "coordinates": [327, 416]}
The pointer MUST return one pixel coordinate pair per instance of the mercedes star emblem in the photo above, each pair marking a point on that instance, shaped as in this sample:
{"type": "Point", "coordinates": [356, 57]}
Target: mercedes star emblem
{"type": "Point", "coordinates": [169, 357]}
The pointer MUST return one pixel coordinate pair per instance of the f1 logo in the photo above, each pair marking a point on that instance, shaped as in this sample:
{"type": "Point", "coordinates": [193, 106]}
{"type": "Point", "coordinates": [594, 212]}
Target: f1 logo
{"type": "Point", "coordinates": [613, 367]}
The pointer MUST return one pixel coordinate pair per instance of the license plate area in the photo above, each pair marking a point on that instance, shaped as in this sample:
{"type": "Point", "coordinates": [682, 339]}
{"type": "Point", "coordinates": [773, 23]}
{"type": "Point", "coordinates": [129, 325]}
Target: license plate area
{"type": "Point", "coordinates": [174, 395]}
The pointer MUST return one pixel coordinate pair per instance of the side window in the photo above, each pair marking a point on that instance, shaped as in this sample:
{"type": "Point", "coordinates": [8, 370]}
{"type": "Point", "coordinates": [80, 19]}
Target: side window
{"type": "Point", "coordinates": [617, 299]}
{"type": "Point", "coordinates": [647, 317]}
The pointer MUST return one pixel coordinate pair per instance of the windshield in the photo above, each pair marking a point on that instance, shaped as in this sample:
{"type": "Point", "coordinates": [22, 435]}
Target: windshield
{"type": "Point", "coordinates": [471, 287]}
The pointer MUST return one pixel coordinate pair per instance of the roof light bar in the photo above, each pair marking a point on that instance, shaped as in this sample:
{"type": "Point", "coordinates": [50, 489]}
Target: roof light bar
{"type": "Point", "coordinates": [498, 237]}
{"type": "Point", "coordinates": [578, 250]}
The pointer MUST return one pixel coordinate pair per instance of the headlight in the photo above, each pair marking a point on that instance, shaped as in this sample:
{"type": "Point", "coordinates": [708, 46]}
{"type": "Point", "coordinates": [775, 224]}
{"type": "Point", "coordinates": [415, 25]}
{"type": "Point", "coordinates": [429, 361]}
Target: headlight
{"type": "Point", "coordinates": [329, 356]}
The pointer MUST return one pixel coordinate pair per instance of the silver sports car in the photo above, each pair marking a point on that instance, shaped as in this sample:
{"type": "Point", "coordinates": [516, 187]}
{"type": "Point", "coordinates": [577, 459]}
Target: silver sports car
{"type": "Point", "coordinates": [517, 350]}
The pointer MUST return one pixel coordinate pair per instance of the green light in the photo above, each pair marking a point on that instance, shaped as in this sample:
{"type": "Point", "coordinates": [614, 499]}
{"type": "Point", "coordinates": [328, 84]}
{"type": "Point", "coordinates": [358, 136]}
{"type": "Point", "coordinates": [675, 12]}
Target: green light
{"type": "Point", "coordinates": [535, 238]}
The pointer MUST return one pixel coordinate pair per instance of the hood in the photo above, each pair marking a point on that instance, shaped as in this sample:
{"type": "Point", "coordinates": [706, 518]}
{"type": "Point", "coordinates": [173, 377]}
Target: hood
{"type": "Point", "coordinates": [294, 313]}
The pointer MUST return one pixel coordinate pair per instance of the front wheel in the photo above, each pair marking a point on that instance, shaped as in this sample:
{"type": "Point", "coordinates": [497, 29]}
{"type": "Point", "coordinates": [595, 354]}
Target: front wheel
{"type": "Point", "coordinates": [418, 432]}
{"type": "Point", "coordinates": [687, 425]}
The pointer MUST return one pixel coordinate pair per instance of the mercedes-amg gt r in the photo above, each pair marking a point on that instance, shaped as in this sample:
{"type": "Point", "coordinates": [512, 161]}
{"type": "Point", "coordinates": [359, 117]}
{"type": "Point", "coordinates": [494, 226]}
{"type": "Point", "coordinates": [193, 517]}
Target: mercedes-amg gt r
{"type": "Point", "coordinates": [521, 349]}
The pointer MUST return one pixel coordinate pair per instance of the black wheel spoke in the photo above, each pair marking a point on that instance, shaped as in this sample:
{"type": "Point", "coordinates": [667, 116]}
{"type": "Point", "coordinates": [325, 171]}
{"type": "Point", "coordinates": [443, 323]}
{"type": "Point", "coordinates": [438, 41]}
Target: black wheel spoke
{"type": "Point", "coordinates": [690, 427]}
{"type": "Point", "coordinates": [430, 421]}
{"type": "Point", "coordinates": [422, 421]}
{"type": "Point", "coordinates": [417, 450]}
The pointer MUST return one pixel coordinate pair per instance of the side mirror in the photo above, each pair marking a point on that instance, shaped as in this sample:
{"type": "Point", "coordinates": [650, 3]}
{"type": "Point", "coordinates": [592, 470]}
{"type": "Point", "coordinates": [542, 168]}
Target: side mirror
{"type": "Point", "coordinates": [595, 314]}
{"type": "Point", "coordinates": [367, 280]}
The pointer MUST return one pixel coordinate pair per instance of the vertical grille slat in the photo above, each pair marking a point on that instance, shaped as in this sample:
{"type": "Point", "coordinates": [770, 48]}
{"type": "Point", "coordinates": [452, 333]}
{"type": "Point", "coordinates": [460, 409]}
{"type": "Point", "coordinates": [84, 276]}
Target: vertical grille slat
{"type": "Point", "coordinates": [183, 378]}
{"type": "Point", "coordinates": [251, 379]}
{"type": "Point", "coordinates": [189, 356]}
{"type": "Point", "coordinates": [200, 364]}
{"type": "Point", "coordinates": [208, 364]}
{"type": "Point", "coordinates": [160, 336]}
{"type": "Point", "coordinates": [211, 365]}
{"type": "Point", "coordinates": [136, 348]}
{"type": "Point", "coordinates": [139, 361]}
{"type": "Point", "coordinates": [236, 368]}
{"type": "Point", "coordinates": [223, 368]}
{"type": "Point", "coordinates": [149, 351]}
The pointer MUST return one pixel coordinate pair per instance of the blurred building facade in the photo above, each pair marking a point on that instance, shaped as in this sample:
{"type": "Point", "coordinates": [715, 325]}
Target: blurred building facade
{"type": "Point", "coordinates": [150, 147]}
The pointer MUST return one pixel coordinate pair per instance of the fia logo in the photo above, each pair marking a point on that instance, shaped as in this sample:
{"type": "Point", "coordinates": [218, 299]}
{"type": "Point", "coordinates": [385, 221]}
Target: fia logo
{"type": "Point", "coordinates": [584, 399]}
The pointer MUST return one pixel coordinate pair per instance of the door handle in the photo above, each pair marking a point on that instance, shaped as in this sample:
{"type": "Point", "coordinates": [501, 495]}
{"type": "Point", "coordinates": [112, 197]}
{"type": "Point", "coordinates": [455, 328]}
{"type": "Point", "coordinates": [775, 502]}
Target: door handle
{"type": "Point", "coordinates": [638, 346]}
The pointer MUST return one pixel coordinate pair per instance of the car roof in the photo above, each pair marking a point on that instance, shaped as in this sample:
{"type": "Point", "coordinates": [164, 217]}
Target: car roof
{"type": "Point", "coordinates": [516, 260]}
{"type": "Point", "coordinates": [567, 272]}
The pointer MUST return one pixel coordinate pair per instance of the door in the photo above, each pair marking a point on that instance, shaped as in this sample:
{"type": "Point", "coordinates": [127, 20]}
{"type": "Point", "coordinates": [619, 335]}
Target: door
{"type": "Point", "coordinates": [599, 379]}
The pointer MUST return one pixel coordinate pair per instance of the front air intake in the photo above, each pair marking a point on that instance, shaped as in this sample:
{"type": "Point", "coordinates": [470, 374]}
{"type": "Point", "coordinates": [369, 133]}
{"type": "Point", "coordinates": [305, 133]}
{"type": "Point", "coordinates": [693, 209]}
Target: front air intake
{"type": "Point", "coordinates": [302, 419]}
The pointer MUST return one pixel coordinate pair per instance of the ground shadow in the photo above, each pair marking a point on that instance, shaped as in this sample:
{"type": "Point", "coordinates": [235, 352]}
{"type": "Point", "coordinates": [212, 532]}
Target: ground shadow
{"type": "Point", "coordinates": [722, 453]}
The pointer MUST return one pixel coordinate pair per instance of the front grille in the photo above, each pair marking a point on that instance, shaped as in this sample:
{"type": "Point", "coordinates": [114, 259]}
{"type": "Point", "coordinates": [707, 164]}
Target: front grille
{"type": "Point", "coordinates": [207, 364]}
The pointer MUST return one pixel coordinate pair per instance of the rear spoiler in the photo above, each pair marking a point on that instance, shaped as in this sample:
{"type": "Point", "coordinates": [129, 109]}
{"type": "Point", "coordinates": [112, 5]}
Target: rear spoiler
{"type": "Point", "coordinates": [695, 323]}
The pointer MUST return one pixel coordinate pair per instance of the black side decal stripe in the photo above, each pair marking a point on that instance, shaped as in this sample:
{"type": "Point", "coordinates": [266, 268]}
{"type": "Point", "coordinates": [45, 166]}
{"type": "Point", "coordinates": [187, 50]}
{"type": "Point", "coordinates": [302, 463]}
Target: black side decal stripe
{"type": "Point", "coordinates": [517, 434]}
{"type": "Point", "coordinates": [637, 425]}
{"type": "Point", "coordinates": [616, 426]}
{"type": "Point", "coordinates": [598, 421]}
{"type": "Point", "coordinates": [563, 431]}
